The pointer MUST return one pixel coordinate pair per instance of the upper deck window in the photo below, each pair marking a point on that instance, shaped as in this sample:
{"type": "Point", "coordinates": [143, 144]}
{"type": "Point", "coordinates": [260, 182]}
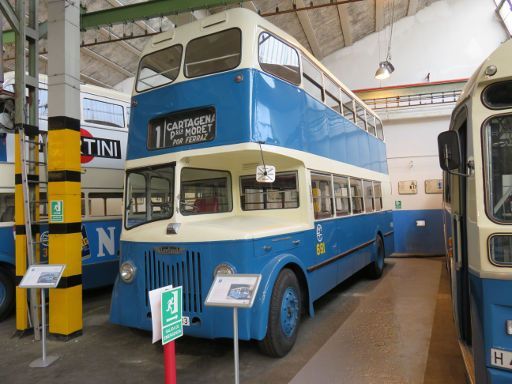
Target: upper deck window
{"type": "Point", "coordinates": [100, 112]}
{"type": "Point", "coordinates": [279, 59]}
{"type": "Point", "coordinates": [498, 95]}
{"type": "Point", "coordinates": [312, 79]}
{"type": "Point", "coordinates": [159, 68]}
{"type": "Point", "coordinates": [498, 135]}
{"type": "Point", "coordinates": [213, 53]}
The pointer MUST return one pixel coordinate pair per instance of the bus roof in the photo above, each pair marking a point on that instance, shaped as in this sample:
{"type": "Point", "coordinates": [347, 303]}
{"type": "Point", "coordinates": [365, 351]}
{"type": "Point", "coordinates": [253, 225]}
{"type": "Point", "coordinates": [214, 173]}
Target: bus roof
{"type": "Point", "coordinates": [86, 88]}
{"type": "Point", "coordinates": [235, 18]}
{"type": "Point", "coordinates": [501, 58]}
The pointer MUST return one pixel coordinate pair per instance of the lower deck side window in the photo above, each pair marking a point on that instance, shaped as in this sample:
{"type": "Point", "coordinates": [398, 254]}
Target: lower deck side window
{"type": "Point", "coordinates": [356, 192]}
{"type": "Point", "coordinates": [281, 194]}
{"type": "Point", "coordinates": [6, 207]}
{"type": "Point", "coordinates": [322, 196]}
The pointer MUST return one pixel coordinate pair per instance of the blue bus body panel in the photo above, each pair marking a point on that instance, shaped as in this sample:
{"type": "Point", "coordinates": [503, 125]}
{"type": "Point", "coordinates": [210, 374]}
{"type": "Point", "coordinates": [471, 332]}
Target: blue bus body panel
{"type": "Point", "coordinates": [7, 245]}
{"type": "Point", "coordinates": [100, 251]}
{"type": "Point", "coordinates": [101, 265]}
{"type": "Point", "coordinates": [193, 269]}
{"type": "Point", "coordinates": [491, 307]}
{"type": "Point", "coordinates": [260, 108]}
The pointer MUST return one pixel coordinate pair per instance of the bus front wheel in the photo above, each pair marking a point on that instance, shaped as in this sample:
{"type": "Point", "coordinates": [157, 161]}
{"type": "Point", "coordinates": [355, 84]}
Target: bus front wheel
{"type": "Point", "coordinates": [284, 315]}
{"type": "Point", "coordinates": [376, 268]}
{"type": "Point", "coordinates": [6, 294]}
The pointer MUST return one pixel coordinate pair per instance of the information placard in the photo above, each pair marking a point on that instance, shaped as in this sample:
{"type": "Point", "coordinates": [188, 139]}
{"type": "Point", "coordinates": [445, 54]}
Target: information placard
{"type": "Point", "coordinates": [42, 276]}
{"type": "Point", "coordinates": [233, 291]}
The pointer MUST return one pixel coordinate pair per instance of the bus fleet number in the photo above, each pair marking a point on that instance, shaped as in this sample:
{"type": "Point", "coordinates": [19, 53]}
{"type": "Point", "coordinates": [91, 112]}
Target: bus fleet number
{"type": "Point", "coordinates": [320, 248]}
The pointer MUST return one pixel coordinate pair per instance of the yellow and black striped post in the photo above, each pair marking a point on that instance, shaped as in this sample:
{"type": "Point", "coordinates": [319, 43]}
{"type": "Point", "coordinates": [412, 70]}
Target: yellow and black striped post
{"type": "Point", "coordinates": [65, 235]}
{"type": "Point", "coordinates": [22, 323]}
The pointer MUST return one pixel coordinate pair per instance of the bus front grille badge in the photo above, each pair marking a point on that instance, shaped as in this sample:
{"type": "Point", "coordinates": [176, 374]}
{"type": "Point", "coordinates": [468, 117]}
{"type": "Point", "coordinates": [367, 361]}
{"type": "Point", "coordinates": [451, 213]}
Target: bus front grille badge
{"type": "Point", "coordinates": [173, 228]}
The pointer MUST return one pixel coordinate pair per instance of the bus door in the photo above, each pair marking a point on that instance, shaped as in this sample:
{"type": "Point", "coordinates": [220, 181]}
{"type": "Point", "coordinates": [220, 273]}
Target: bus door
{"type": "Point", "coordinates": [459, 266]}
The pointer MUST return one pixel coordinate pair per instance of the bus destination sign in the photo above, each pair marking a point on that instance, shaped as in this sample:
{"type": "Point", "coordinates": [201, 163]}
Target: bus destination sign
{"type": "Point", "coordinates": [182, 128]}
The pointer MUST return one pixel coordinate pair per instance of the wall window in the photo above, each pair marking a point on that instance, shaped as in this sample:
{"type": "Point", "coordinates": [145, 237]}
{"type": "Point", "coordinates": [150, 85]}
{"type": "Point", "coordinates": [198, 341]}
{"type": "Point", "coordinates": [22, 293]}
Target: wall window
{"type": "Point", "coordinates": [377, 199]}
{"type": "Point", "coordinates": [312, 79]}
{"type": "Point", "coordinates": [159, 68]}
{"type": "Point", "coordinates": [279, 59]}
{"type": "Point", "coordinates": [504, 9]}
{"type": "Point", "coordinates": [322, 196]}
{"type": "Point", "coordinates": [43, 102]}
{"type": "Point", "coordinates": [205, 191]}
{"type": "Point", "coordinates": [341, 195]}
{"type": "Point", "coordinates": [100, 112]}
{"type": "Point", "coordinates": [280, 194]}
{"type": "Point", "coordinates": [214, 53]}
{"type": "Point", "coordinates": [105, 204]}
{"type": "Point", "coordinates": [356, 193]}
{"type": "Point", "coordinates": [6, 207]}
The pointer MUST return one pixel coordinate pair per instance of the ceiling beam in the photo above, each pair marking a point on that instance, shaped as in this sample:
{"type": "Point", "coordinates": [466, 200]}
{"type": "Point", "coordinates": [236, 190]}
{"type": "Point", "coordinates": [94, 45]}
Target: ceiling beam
{"type": "Point", "coordinates": [379, 15]}
{"type": "Point", "coordinates": [307, 26]}
{"type": "Point", "coordinates": [145, 10]}
{"type": "Point", "coordinates": [10, 14]}
{"type": "Point", "coordinates": [104, 60]}
{"type": "Point", "coordinates": [109, 34]}
{"type": "Point", "coordinates": [413, 7]}
{"type": "Point", "coordinates": [346, 27]}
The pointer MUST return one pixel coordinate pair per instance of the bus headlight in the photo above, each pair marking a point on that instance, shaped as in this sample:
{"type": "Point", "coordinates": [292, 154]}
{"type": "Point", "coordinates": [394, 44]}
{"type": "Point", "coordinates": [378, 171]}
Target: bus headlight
{"type": "Point", "coordinates": [224, 269]}
{"type": "Point", "coordinates": [127, 272]}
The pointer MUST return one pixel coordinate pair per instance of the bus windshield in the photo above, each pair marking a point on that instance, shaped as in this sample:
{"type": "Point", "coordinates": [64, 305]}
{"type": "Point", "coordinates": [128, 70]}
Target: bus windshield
{"type": "Point", "coordinates": [205, 191]}
{"type": "Point", "coordinates": [498, 132]}
{"type": "Point", "coordinates": [149, 195]}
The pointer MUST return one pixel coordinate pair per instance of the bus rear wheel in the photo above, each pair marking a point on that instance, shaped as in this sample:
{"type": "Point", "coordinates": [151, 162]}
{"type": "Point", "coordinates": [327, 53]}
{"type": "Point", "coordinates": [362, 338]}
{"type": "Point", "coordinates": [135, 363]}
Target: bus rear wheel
{"type": "Point", "coordinates": [284, 315]}
{"type": "Point", "coordinates": [6, 294]}
{"type": "Point", "coordinates": [376, 268]}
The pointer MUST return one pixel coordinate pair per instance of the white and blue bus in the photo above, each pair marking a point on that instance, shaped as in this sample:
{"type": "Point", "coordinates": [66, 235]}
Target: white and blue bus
{"type": "Point", "coordinates": [476, 155]}
{"type": "Point", "coordinates": [213, 100]}
{"type": "Point", "coordinates": [104, 133]}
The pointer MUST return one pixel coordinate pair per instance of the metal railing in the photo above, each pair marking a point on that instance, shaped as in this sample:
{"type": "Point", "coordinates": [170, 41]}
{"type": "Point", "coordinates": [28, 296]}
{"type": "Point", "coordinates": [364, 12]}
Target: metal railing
{"type": "Point", "coordinates": [409, 101]}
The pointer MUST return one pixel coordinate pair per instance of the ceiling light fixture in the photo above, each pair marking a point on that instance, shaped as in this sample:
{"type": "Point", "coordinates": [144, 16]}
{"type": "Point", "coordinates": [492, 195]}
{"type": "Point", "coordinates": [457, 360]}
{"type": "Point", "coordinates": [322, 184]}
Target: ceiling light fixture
{"type": "Point", "coordinates": [385, 67]}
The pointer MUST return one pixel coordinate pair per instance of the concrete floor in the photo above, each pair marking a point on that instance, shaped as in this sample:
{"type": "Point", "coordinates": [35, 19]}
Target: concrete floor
{"type": "Point", "coordinates": [394, 330]}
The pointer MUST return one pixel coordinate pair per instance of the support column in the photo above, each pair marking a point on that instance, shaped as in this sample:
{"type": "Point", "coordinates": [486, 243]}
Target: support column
{"type": "Point", "coordinates": [65, 238]}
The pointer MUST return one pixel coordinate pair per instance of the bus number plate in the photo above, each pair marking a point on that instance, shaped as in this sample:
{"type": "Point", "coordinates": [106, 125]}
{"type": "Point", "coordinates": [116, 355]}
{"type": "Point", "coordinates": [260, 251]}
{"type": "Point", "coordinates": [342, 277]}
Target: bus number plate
{"type": "Point", "coordinates": [182, 128]}
{"type": "Point", "coordinates": [501, 358]}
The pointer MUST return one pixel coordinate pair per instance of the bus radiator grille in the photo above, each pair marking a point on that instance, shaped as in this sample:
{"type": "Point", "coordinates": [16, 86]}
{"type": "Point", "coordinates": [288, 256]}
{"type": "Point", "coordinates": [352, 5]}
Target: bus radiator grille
{"type": "Point", "coordinates": [176, 270]}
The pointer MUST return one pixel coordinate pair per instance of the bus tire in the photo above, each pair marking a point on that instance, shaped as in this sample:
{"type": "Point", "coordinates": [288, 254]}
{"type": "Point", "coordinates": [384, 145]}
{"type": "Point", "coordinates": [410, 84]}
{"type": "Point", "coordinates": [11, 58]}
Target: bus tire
{"type": "Point", "coordinates": [376, 268]}
{"type": "Point", "coordinates": [284, 315]}
{"type": "Point", "coordinates": [6, 294]}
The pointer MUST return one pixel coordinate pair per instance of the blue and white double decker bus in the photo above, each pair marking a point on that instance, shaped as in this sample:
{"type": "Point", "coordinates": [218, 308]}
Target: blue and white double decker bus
{"type": "Point", "coordinates": [104, 133]}
{"type": "Point", "coordinates": [476, 155]}
{"type": "Point", "coordinates": [213, 100]}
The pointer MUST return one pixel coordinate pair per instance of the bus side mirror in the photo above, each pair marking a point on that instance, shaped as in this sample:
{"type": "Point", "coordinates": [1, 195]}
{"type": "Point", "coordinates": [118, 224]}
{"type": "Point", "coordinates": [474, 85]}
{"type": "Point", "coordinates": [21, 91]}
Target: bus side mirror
{"type": "Point", "coordinates": [449, 150]}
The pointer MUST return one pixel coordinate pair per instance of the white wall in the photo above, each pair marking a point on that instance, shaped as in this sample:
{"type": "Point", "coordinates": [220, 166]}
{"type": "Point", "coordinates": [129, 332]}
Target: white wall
{"type": "Point", "coordinates": [449, 39]}
{"type": "Point", "coordinates": [412, 155]}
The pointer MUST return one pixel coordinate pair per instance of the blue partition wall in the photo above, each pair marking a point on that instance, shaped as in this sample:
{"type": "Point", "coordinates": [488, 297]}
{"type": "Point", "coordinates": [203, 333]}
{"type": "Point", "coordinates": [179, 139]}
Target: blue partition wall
{"type": "Point", "coordinates": [417, 240]}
